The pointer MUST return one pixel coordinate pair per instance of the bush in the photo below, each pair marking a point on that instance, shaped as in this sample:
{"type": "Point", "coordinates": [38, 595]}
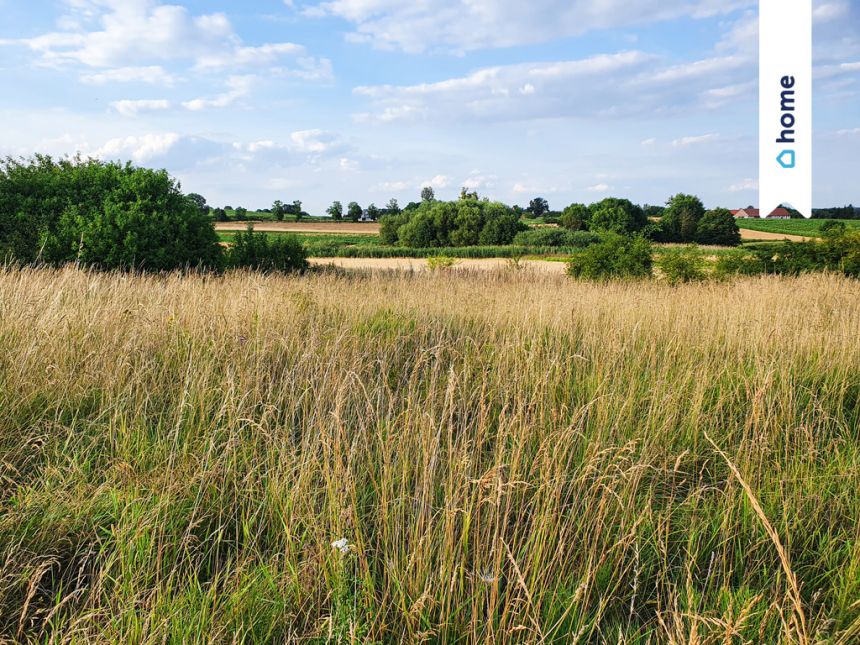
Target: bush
{"type": "Point", "coordinates": [258, 251]}
{"type": "Point", "coordinates": [556, 237]}
{"type": "Point", "coordinates": [104, 215]}
{"type": "Point", "coordinates": [718, 227]}
{"type": "Point", "coordinates": [680, 265]}
{"type": "Point", "coordinates": [739, 262]}
{"type": "Point", "coordinates": [618, 256]}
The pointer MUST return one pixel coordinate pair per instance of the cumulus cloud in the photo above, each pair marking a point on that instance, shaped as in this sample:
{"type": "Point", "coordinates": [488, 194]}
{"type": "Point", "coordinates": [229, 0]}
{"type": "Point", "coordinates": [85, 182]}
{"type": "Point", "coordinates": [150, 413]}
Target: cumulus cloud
{"type": "Point", "coordinates": [598, 188]}
{"type": "Point", "coordinates": [439, 181]}
{"type": "Point", "coordinates": [631, 83]}
{"type": "Point", "coordinates": [237, 88]}
{"type": "Point", "coordinates": [126, 36]}
{"type": "Point", "coordinates": [133, 108]}
{"type": "Point", "coordinates": [139, 149]}
{"type": "Point", "coordinates": [464, 25]}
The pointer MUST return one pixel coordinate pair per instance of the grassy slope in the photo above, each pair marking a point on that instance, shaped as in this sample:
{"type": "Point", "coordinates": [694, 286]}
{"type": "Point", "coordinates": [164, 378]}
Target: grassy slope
{"type": "Point", "coordinates": [512, 458]}
{"type": "Point", "coordinates": [808, 227]}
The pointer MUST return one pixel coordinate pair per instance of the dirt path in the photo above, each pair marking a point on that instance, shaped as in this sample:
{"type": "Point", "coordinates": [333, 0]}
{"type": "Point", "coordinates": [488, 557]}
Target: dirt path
{"type": "Point", "coordinates": [410, 264]}
{"type": "Point", "coordinates": [351, 228]}
{"type": "Point", "coordinates": [767, 236]}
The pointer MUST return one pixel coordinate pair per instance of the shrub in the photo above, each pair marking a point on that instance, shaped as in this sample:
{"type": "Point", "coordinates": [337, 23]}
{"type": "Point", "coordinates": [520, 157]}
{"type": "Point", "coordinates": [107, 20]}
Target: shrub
{"type": "Point", "coordinates": [739, 262]}
{"type": "Point", "coordinates": [556, 237]}
{"type": "Point", "coordinates": [105, 215]}
{"type": "Point", "coordinates": [681, 265]}
{"type": "Point", "coordinates": [718, 227]}
{"type": "Point", "coordinates": [258, 251]}
{"type": "Point", "coordinates": [441, 262]}
{"type": "Point", "coordinates": [618, 256]}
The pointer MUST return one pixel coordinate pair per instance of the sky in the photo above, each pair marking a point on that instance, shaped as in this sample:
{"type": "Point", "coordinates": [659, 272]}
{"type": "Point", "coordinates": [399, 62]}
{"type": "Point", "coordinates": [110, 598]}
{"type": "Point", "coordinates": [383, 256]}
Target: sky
{"type": "Point", "coordinates": [573, 100]}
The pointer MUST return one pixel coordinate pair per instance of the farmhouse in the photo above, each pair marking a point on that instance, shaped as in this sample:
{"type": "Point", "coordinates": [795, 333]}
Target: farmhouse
{"type": "Point", "coordinates": [749, 213]}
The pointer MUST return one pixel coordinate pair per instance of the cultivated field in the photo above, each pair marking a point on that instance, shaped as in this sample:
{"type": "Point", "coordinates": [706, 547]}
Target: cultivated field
{"type": "Point", "coordinates": [497, 458]}
{"type": "Point", "coordinates": [796, 229]}
{"type": "Point", "coordinates": [352, 228]}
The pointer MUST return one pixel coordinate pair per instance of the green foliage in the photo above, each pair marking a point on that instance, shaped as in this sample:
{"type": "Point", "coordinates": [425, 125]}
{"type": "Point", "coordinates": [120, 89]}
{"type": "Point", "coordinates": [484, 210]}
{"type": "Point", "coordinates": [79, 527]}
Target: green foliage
{"type": "Point", "coordinates": [718, 227]}
{"type": "Point", "coordinates": [353, 211]}
{"type": "Point", "coordinates": [279, 210]}
{"type": "Point", "coordinates": [428, 194]}
{"type": "Point", "coordinates": [738, 262]}
{"type": "Point", "coordinates": [104, 215]}
{"type": "Point", "coordinates": [839, 252]}
{"type": "Point", "coordinates": [685, 264]}
{"type": "Point", "coordinates": [618, 256]}
{"type": "Point", "coordinates": [538, 207]}
{"type": "Point", "coordinates": [199, 202]}
{"type": "Point", "coordinates": [441, 262]}
{"type": "Point", "coordinates": [575, 217]}
{"type": "Point", "coordinates": [804, 227]}
{"type": "Point", "coordinates": [681, 218]}
{"type": "Point", "coordinates": [833, 228]}
{"type": "Point", "coordinates": [556, 237]}
{"type": "Point", "coordinates": [261, 252]}
{"type": "Point", "coordinates": [466, 222]}
{"type": "Point", "coordinates": [617, 216]}
{"type": "Point", "coordinates": [335, 210]}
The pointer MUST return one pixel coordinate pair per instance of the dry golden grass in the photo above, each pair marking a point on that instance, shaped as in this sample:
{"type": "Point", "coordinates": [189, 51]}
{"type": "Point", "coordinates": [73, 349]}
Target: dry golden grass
{"type": "Point", "coordinates": [510, 457]}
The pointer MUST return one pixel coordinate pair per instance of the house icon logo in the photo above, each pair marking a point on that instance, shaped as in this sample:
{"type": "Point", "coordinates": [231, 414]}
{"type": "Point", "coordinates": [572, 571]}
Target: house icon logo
{"type": "Point", "coordinates": [787, 159]}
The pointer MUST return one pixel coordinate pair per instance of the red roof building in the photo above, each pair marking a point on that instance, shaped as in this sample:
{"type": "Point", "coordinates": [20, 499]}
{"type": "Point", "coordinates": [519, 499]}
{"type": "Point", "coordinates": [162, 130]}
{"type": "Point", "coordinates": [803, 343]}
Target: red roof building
{"type": "Point", "coordinates": [749, 213]}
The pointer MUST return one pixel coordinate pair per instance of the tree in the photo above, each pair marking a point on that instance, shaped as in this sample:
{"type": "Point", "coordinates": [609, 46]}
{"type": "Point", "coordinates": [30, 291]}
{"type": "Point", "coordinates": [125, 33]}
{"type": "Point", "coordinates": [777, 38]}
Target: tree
{"type": "Point", "coordinates": [466, 194]}
{"type": "Point", "coordinates": [682, 264]}
{"type": "Point", "coordinates": [354, 211]}
{"type": "Point", "coordinates": [538, 207]}
{"type": "Point", "coordinates": [681, 218]}
{"type": "Point", "coordinates": [392, 208]}
{"type": "Point", "coordinates": [373, 212]}
{"type": "Point", "coordinates": [278, 210]}
{"type": "Point", "coordinates": [718, 226]}
{"type": "Point", "coordinates": [199, 201]}
{"type": "Point", "coordinates": [335, 210]}
{"type": "Point", "coordinates": [296, 210]}
{"type": "Point", "coordinates": [241, 213]}
{"type": "Point", "coordinates": [428, 194]}
{"type": "Point", "coordinates": [575, 217]}
{"type": "Point", "coordinates": [103, 215]}
{"type": "Point", "coordinates": [617, 215]}
{"type": "Point", "coordinates": [219, 215]}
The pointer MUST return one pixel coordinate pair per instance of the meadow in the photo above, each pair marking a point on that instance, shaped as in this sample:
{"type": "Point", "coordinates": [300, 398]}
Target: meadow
{"type": "Point", "coordinates": [448, 458]}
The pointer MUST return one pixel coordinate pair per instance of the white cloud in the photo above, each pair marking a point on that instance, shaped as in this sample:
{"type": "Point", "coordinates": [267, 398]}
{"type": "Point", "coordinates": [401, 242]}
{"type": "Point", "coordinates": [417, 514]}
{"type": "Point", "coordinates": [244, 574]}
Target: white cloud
{"type": "Point", "coordinates": [849, 132]}
{"type": "Point", "coordinates": [695, 140]}
{"type": "Point", "coordinates": [128, 35]}
{"type": "Point", "coordinates": [152, 75]}
{"type": "Point", "coordinates": [439, 181]}
{"type": "Point", "coordinates": [348, 165]}
{"type": "Point", "coordinates": [745, 185]}
{"type": "Point", "coordinates": [617, 85]}
{"type": "Point", "coordinates": [133, 108]}
{"type": "Point", "coordinates": [237, 87]}
{"type": "Point", "coordinates": [464, 25]}
{"type": "Point", "coordinates": [314, 141]}
{"type": "Point", "coordinates": [648, 142]}
{"type": "Point", "coordinates": [598, 188]}
{"type": "Point", "coordinates": [139, 149]}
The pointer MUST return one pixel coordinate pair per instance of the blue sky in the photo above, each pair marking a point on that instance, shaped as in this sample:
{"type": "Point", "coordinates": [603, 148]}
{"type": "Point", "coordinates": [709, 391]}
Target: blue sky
{"type": "Point", "coordinates": [573, 100]}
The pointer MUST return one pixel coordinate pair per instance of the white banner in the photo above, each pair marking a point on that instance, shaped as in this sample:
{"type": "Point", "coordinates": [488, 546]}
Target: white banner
{"type": "Point", "coordinates": [785, 105]}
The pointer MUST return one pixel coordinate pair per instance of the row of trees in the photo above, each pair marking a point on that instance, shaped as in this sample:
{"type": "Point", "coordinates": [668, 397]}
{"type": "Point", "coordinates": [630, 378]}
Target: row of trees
{"type": "Point", "coordinates": [114, 216]}
{"type": "Point", "coordinates": [684, 219]}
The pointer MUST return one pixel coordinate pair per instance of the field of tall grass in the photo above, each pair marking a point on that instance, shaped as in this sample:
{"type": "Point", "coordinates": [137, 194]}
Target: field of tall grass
{"type": "Point", "coordinates": [448, 458]}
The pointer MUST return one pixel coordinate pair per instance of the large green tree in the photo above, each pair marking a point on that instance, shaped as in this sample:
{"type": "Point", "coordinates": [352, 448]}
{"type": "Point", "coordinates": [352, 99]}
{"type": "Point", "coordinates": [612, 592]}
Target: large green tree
{"type": "Point", "coordinates": [718, 226]}
{"type": "Point", "coordinates": [680, 219]}
{"type": "Point", "coordinates": [617, 216]}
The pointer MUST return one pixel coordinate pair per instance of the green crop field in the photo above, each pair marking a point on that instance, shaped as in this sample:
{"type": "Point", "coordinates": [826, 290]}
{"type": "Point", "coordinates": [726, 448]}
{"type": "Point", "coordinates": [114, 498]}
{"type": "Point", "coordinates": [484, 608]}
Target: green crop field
{"type": "Point", "coordinates": [806, 227]}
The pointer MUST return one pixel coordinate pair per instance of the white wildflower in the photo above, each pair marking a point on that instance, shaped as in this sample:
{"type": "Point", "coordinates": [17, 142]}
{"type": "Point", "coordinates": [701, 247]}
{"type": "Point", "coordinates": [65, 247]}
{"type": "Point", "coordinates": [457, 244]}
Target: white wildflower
{"type": "Point", "coordinates": [342, 545]}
